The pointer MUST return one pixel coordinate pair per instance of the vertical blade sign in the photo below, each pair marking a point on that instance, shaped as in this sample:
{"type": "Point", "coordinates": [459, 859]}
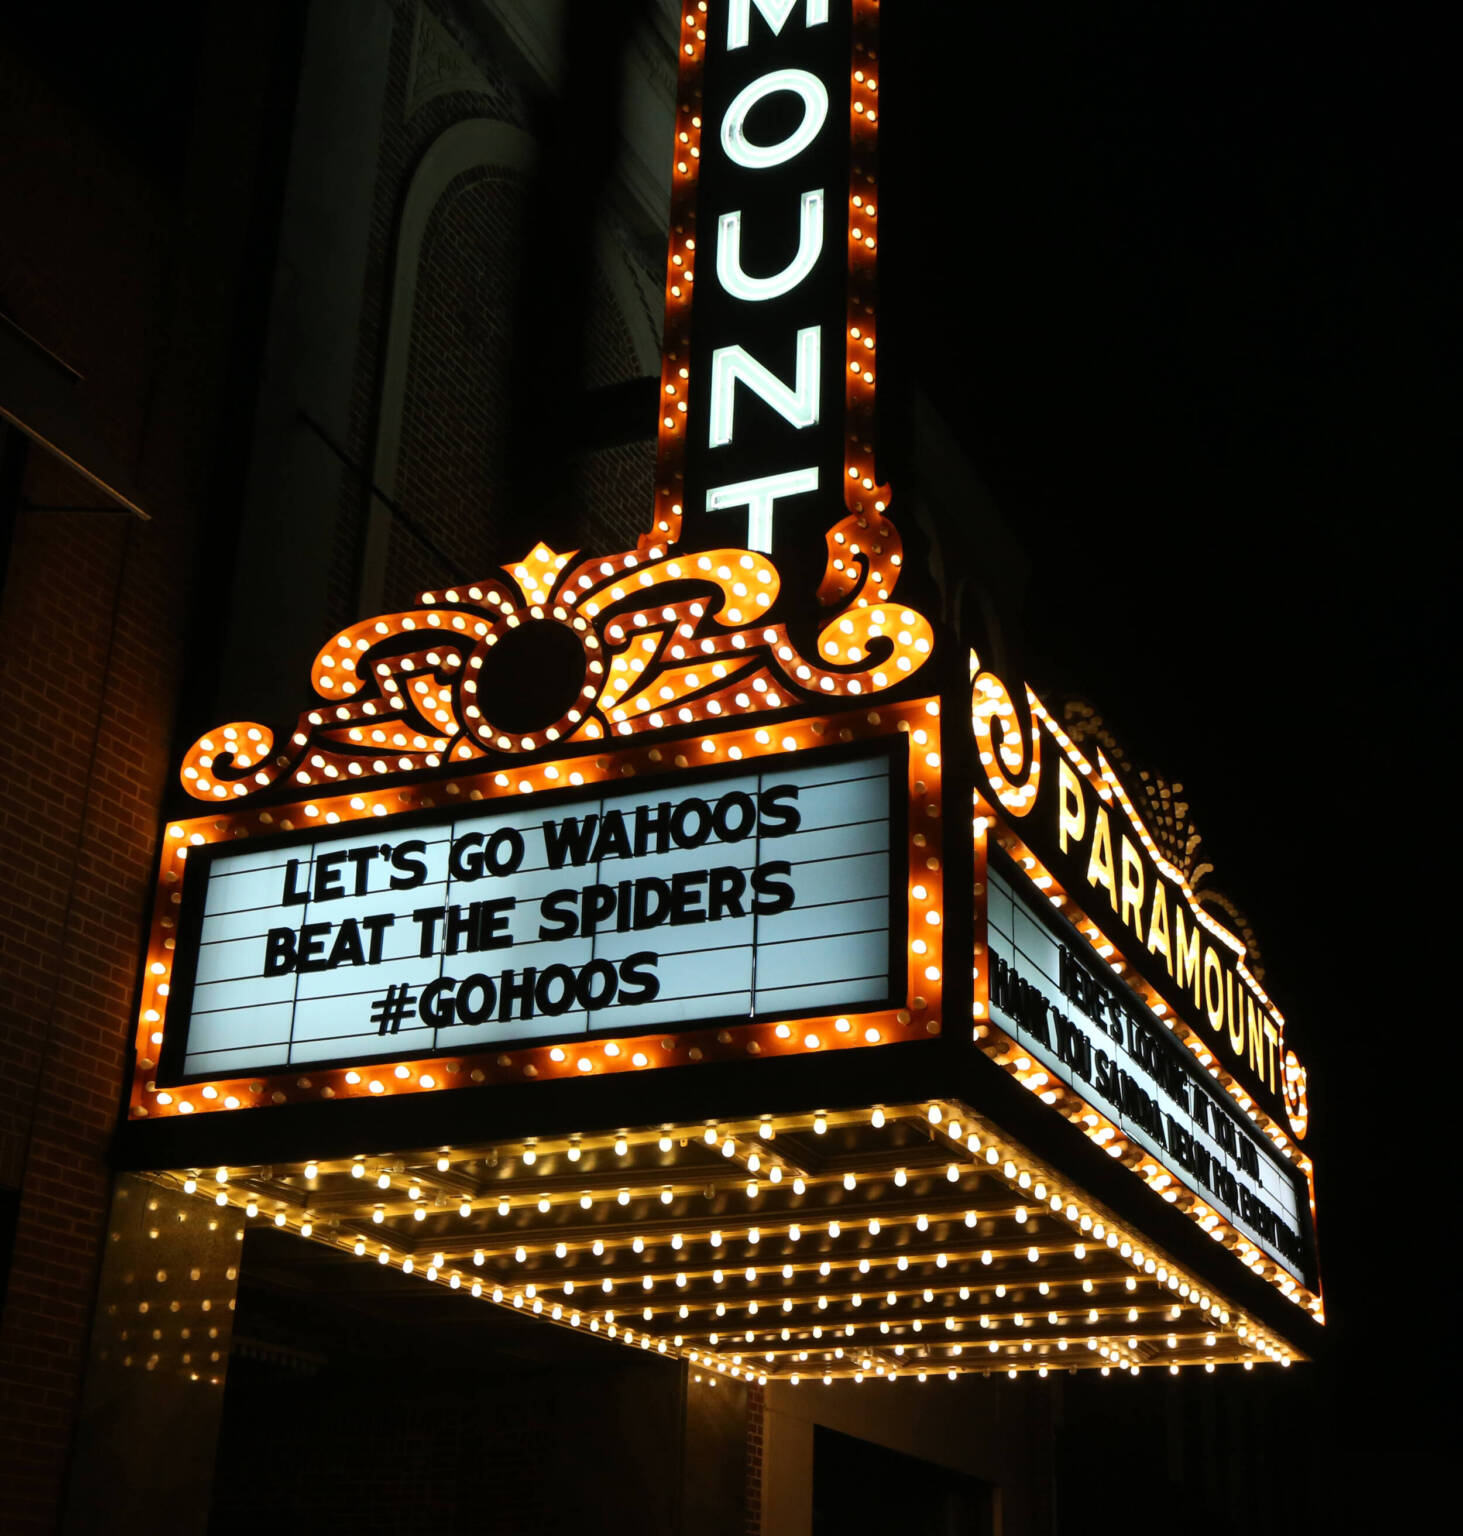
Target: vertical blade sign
{"type": "Point", "coordinates": [767, 393]}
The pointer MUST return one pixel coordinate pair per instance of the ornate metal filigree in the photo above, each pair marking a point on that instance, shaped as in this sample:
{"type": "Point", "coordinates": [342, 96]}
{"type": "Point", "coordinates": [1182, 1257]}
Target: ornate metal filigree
{"type": "Point", "coordinates": [665, 640]}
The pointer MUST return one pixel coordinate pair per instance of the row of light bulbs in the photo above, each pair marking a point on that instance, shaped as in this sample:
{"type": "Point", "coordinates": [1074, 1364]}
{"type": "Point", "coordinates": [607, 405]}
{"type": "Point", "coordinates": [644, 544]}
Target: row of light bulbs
{"type": "Point", "coordinates": [1098, 1127]}
{"type": "Point", "coordinates": [937, 1116]}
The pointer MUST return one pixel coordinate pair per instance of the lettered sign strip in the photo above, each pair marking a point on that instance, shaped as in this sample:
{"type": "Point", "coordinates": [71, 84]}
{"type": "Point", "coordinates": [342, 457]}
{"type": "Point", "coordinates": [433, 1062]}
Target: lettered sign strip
{"type": "Point", "coordinates": [1064, 1008]}
{"type": "Point", "coordinates": [746, 894]}
{"type": "Point", "coordinates": [751, 887]}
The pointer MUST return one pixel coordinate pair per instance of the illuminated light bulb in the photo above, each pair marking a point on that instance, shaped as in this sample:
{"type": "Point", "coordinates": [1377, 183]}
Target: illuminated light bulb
{"type": "Point", "coordinates": [834, 1230]}
{"type": "Point", "coordinates": [728, 1147]}
{"type": "Point", "coordinates": [623, 1198]}
{"type": "Point", "coordinates": [443, 1164]}
{"type": "Point", "coordinates": [383, 1180]}
{"type": "Point", "coordinates": [621, 1146]}
{"type": "Point", "coordinates": [901, 1178]}
{"type": "Point", "coordinates": [530, 1157]}
{"type": "Point", "coordinates": [358, 1171]}
{"type": "Point", "coordinates": [877, 1119]}
{"type": "Point", "coordinates": [799, 1187]}
{"type": "Point", "coordinates": [664, 1143]}
{"type": "Point", "coordinates": [849, 1181]}
{"type": "Point", "coordinates": [820, 1125]}
{"type": "Point", "coordinates": [312, 1170]}
{"type": "Point", "coordinates": [503, 1206]}
{"type": "Point", "coordinates": [220, 1198]}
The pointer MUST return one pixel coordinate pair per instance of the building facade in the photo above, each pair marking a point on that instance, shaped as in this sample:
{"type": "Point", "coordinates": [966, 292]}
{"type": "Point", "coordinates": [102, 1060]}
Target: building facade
{"type": "Point", "coordinates": [395, 305]}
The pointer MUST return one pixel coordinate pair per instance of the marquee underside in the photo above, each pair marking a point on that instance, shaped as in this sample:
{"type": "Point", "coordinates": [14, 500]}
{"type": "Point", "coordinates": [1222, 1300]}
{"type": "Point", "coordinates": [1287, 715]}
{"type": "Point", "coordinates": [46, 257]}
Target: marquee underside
{"type": "Point", "coordinates": [898, 1241]}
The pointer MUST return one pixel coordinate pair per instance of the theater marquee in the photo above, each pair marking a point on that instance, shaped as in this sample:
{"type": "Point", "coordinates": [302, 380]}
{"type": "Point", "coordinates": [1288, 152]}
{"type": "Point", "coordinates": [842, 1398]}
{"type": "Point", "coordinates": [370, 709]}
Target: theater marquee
{"type": "Point", "coordinates": [1114, 995]}
{"type": "Point", "coordinates": [578, 917]}
{"type": "Point", "coordinates": [730, 843]}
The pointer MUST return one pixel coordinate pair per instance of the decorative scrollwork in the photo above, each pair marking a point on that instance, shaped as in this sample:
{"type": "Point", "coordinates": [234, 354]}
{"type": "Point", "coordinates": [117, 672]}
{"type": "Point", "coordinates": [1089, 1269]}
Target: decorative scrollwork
{"type": "Point", "coordinates": [1297, 1101]}
{"type": "Point", "coordinates": [1008, 740]}
{"type": "Point", "coordinates": [663, 640]}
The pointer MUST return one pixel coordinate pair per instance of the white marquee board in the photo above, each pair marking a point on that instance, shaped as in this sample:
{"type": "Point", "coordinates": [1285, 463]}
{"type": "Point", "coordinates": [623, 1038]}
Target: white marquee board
{"type": "Point", "coordinates": [762, 893]}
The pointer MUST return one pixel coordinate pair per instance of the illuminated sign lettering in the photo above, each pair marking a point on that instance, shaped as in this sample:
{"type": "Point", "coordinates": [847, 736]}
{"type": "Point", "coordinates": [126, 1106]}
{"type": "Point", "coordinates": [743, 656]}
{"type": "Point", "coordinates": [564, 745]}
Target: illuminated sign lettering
{"type": "Point", "coordinates": [765, 436]}
{"type": "Point", "coordinates": [1077, 819]}
{"type": "Point", "coordinates": [1093, 1034]}
{"type": "Point", "coordinates": [753, 893]}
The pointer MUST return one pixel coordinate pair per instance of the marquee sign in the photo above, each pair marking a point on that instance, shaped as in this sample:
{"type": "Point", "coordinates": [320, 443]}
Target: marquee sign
{"type": "Point", "coordinates": [1078, 822]}
{"type": "Point", "coordinates": [724, 837]}
{"type": "Point", "coordinates": [745, 893]}
{"type": "Point", "coordinates": [768, 380]}
{"type": "Point", "coordinates": [1112, 994]}
{"type": "Point", "coordinates": [765, 442]}
{"type": "Point", "coordinates": [1090, 1031]}
{"type": "Point", "coordinates": [761, 893]}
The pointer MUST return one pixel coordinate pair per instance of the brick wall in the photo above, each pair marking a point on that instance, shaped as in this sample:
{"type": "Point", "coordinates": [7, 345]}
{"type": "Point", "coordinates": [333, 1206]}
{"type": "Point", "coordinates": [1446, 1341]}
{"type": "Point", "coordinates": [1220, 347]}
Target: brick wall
{"type": "Point", "coordinates": [406, 135]}
{"type": "Point", "coordinates": [95, 622]}
{"type": "Point", "coordinates": [455, 407]}
{"type": "Point", "coordinates": [756, 1407]}
{"type": "Point", "coordinates": [467, 1457]}
{"type": "Point", "coordinates": [90, 639]}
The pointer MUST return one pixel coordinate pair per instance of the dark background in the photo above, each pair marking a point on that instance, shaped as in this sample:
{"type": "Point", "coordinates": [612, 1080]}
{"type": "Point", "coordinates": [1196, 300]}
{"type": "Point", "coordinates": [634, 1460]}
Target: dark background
{"type": "Point", "coordinates": [1186, 291]}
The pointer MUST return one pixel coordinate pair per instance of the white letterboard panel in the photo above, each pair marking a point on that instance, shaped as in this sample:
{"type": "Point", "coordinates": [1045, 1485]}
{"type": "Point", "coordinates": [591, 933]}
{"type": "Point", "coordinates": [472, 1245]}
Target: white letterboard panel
{"type": "Point", "coordinates": [741, 895]}
{"type": "Point", "coordinates": [1124, 1065]}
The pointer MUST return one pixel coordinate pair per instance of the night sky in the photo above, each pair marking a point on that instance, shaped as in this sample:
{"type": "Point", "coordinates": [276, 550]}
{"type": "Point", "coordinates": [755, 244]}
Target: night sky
{"type": "Point", "coordinates": [1185, 299]}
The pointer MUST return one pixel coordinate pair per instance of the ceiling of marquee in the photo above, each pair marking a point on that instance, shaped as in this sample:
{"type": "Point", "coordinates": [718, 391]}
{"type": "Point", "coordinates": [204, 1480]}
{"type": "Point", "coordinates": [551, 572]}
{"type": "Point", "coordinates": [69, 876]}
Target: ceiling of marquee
{"type": "Point", "coordinates": [900, 1241]}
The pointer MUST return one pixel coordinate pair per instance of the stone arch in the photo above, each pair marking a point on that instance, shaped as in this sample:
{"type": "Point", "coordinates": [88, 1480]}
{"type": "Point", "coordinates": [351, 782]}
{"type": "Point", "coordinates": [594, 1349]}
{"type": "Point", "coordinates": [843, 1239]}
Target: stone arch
{"type": "Point", "coordinates": [474, 144]}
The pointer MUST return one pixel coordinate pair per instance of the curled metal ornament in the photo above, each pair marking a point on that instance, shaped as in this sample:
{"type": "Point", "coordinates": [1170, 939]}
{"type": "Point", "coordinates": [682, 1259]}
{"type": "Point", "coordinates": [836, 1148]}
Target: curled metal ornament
{"type": "Point", "coordinates": [663, 640]}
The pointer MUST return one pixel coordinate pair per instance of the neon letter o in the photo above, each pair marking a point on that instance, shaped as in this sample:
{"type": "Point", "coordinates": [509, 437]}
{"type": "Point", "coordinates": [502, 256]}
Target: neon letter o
{"type": "Point", "coordinates": [760, 157]}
